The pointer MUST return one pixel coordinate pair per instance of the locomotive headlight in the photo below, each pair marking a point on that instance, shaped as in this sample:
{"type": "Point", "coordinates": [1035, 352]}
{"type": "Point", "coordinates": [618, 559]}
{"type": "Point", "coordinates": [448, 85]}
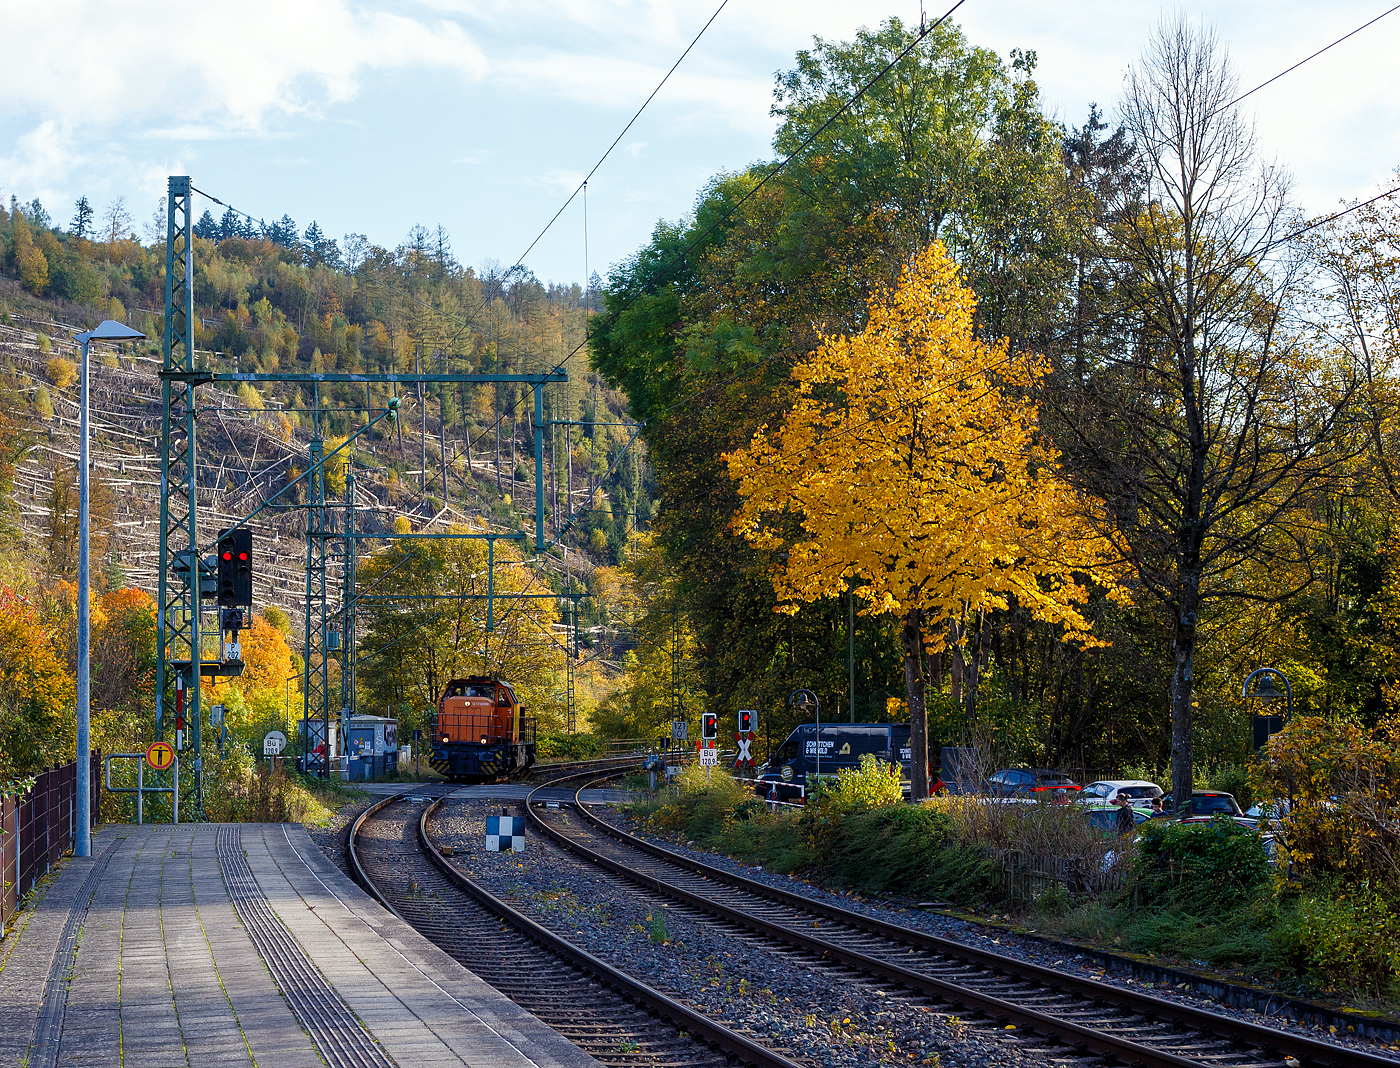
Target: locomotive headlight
{"type": "Point", "coordinates": [483, 739]}
{"type": "Point", "coordinates": [444, 739]}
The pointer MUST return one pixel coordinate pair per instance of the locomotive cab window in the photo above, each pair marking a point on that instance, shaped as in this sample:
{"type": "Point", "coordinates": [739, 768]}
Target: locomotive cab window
{"type": "Point", "coordinates": [503, 697]}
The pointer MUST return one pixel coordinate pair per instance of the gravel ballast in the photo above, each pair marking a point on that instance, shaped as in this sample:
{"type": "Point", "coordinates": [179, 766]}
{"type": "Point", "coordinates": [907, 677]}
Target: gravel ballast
{"type": "Point", "coordinates": [824, 1016]}
{"type": "Point", "coordinates": [990, 938]}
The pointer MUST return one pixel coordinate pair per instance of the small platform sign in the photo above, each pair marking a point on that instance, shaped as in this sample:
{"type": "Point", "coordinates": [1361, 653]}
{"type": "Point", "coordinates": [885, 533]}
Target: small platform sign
{"type": "Point", "coordinates": [709, 758]}
{"type": "Point", "coordinates": [505, 834]}
{"type": "Point", "coordinates": [273, 743]}
{"type": "Point", "coordinates": [160, 755]}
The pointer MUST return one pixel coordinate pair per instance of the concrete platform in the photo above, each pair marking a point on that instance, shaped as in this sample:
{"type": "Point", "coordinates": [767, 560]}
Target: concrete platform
{"type": "Point", "coordinates": [206, 946]}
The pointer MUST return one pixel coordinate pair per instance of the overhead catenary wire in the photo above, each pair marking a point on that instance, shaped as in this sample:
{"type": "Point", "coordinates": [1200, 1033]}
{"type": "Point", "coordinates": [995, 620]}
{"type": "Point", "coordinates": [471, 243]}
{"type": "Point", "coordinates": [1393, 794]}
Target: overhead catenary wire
{"type": "Point", "coordinates": [1308, 59]}
{"type": "Point", "coordinates": [773, 172]}
{"type": "Point", "coordinates": [583, 185]}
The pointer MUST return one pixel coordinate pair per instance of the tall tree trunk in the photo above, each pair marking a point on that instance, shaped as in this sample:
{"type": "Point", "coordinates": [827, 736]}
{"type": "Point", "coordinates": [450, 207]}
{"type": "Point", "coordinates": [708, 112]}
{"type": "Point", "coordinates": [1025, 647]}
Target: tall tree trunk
{"type": "Point", "coordinates": [1190, 536]}
{"type": "Point", "coordinates": [914, 689]}
{"type": "Point", "coordinates": [1183, 655]}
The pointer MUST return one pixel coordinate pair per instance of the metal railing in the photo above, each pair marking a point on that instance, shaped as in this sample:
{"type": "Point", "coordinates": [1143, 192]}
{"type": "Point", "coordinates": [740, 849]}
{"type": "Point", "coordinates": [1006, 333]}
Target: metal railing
{"type": "Point", "coordinates": [36, 829]}
{"type": "Point", "coordinates": [141, 789]}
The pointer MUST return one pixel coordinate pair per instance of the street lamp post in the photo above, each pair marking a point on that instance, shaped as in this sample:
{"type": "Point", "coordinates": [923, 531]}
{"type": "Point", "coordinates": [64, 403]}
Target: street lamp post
{"type": "Point", "coordinates": [802, 700]}
{"type": "Point", "coordinates": [109, 330]}
{"type": "Point", "coordinates": [1267, 691]}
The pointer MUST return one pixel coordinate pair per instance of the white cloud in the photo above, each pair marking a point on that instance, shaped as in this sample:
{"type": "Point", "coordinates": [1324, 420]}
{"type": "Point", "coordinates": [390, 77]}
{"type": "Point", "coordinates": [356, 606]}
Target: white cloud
{"type": "Point", "coordinates": [225, 65]}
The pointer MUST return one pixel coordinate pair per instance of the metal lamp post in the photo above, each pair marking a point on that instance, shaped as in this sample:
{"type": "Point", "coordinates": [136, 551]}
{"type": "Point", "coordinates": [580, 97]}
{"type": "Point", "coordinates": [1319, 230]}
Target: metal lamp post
{"type": "Point", "coordinates": [1267, 691]}
{"type": "Point", "coordinates": [802, 700]}
{"type": "Point", "coordinates": [109, 330]}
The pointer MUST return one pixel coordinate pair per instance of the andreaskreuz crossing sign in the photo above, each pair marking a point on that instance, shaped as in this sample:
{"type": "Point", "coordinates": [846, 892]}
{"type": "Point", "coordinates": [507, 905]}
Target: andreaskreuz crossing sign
{"type": "Point", "coordinates": [744, 739]}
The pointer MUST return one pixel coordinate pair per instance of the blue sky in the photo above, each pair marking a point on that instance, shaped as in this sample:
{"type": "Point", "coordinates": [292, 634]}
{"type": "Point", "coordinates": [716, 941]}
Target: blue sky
{"type": "Point", "coordinates": [482, 117]}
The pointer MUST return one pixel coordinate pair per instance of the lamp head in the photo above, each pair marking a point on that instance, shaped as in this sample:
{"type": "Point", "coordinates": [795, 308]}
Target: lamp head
{"type": "Point", "coordinates": [110, 330]}
{"type": "Point", "coordinates": [1266, 689]}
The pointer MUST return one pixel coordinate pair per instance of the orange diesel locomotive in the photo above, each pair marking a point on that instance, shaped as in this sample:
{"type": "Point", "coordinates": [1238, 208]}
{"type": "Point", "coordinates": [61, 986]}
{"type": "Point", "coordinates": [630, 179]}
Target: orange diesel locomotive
{"type": "Point", "coordinates": [481, 732]}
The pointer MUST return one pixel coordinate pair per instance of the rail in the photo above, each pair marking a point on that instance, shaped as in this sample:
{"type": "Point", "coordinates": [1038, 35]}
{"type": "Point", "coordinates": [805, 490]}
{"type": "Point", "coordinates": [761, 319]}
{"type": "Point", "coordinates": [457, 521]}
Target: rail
{"type": "Point", "coordinates": [687, 1029]}
{"type": "Point", "coordinates": [141, 789]}
{"type": "Point", "coordinates": [1026, 1007]}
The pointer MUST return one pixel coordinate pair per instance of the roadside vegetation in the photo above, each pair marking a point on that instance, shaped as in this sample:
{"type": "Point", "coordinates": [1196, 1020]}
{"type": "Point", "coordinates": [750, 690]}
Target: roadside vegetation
{"type": "Point", "coordinates": [1300, 915]}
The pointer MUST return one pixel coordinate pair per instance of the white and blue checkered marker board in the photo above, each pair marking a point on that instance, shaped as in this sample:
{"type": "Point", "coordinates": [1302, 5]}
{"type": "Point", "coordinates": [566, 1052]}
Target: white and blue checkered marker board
{"type": "Point", "coordinates": [505, 833]}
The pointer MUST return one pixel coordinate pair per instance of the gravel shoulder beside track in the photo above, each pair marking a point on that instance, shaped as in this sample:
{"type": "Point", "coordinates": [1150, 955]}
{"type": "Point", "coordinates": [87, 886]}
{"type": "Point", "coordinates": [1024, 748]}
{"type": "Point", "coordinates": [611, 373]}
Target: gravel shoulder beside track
{"type": "Point", "coordinates": [819, 1014]}
{"type": "Point", "coordinates": [332, 837]}
{"type": "Point", "coordinates": [989, 938]}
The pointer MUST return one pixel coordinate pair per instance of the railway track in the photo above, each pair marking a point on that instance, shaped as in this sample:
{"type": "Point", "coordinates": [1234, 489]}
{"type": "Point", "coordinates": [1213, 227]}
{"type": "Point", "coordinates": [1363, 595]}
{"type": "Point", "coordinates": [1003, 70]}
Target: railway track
{"type": "Point", "coordinates": [571, 768]}
{"type": "Point", "coordinates": [1082, 1016]}
{"type": "Point", "coordinates": [618, 1020]}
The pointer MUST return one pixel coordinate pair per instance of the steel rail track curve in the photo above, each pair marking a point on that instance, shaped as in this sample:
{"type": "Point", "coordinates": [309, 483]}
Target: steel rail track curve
{"type": "Point", "coordinates": [617, 1019]}
{"type": "Point", "coordinates": [1130, 1026]}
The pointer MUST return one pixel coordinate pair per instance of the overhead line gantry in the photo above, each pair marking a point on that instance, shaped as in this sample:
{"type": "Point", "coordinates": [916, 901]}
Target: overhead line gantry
{"type": "Point", "coordinates": [181, 565]}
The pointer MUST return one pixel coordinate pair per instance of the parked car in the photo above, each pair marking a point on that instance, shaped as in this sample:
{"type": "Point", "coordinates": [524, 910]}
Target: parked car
{"type": "Point", "coordinates": [1104, 816]}
{"type": "Point", "coordinates": [1211, 803]}
{"type": "Point", "coordinates": [1031, 783]}
{"type": "Point", "coordinates": [1140, 791]}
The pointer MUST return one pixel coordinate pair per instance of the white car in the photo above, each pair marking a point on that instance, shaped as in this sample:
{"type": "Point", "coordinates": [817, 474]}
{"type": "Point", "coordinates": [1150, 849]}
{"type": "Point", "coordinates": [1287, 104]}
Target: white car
{"type": "Point", "coordinates": [1110, 790]}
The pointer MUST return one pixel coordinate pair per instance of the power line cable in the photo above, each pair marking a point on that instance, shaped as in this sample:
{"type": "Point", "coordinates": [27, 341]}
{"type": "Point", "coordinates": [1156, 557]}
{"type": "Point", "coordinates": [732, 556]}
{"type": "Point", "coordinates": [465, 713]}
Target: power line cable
{"type": "Point", "coordinates": [773, 172]}
{"type": "Point", "coordinates": [1319, 52]}
{"type": "Point", "coordinates": [583, 186]}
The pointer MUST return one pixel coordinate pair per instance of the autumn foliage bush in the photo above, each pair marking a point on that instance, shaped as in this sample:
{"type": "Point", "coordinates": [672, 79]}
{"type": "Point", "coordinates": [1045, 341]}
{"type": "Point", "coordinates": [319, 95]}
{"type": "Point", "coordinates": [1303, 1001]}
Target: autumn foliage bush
{"type": "Point", "coordinates": [870, 785]}
{"type": "Point", "coordinates": [1341, 782]}
{"type": "Point", "coordinates": [36, 693]}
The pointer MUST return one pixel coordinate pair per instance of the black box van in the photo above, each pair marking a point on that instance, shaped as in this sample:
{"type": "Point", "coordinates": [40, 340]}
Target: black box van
{"type": "Point", "coordinates": [792, 768]}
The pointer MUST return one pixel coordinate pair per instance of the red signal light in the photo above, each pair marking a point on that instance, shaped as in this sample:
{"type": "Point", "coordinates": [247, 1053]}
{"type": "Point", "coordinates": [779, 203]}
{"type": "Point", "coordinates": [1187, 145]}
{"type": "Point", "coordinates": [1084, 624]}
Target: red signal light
{"type": "Point", "coordinates": [242, 556]}
{"type": "Point", "coordinates": [228, 555]}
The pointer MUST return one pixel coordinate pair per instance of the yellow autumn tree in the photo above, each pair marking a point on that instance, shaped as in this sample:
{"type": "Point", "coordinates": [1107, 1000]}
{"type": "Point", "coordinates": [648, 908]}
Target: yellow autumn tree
{"type": "Point", "coordinates": [910, 465]}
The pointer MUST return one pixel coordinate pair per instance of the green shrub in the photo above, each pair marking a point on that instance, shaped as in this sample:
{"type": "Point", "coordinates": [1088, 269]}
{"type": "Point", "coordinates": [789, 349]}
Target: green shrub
{"type": "Point", "coordinates": [1234, 780]}
{"type": "Point", "coordinates": [568, 746]}
{"type": "Point", "coordinates": [707, 803]}
{"type": "Point", "coordinates": [906, 849]}
{"type": "Point", "coordinates": [1349, 941]}
{"type": "Point", "coordinates": [869, 786]}
{"type": "Point", "coordinates": [721, 814]}
{"type": "Point", "coordinates": [1219, 862]}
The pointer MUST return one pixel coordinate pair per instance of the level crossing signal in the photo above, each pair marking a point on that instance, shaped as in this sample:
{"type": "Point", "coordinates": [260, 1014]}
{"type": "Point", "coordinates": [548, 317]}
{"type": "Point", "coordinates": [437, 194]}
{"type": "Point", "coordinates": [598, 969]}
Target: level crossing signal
{"type": "Point", "coordinates": [746, 720]}
{"type": "Point", "coordinates": [235, 567]}
{"type": "Point", "coordinates": [709, 727]}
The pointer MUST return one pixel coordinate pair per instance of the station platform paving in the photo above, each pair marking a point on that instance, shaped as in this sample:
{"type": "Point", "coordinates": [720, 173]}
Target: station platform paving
{"type": "Point", "coordinates": [208, 945]}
